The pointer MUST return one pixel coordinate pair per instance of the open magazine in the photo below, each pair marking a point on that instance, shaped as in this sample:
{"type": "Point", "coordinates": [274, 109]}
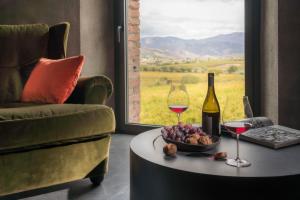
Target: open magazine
{"type": "Point", "coordinates": [267, 134]}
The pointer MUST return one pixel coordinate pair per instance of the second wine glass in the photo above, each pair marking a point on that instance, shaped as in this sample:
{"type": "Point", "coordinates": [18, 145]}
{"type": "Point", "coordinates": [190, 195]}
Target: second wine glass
{"type": "Point", "coordinates": [178, 99]}
{"type": "Point", "coordinates": [238, 127]}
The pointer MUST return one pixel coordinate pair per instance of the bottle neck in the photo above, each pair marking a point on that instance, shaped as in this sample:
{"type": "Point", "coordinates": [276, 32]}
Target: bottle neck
{"type": "Point", "coordinates": [210, 82]}
{"type": "Point", "coordinates": [211, 104]}
{"type": "Point", "coordinates": [211, 87]}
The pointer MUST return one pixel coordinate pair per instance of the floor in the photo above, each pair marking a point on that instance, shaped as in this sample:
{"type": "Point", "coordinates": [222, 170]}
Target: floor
{"type": "Point", "coordinates": [114, 187]}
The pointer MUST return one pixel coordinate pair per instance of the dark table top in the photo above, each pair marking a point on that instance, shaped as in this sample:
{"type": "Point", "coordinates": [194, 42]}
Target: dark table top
{"type": "Point", "coordinates": [265, 162]}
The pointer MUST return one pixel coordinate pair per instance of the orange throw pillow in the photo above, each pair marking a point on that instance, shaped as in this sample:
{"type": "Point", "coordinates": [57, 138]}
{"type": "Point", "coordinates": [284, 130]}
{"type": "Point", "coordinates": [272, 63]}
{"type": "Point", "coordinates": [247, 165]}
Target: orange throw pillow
{"type": "Point", "coordinates": [52, 81]}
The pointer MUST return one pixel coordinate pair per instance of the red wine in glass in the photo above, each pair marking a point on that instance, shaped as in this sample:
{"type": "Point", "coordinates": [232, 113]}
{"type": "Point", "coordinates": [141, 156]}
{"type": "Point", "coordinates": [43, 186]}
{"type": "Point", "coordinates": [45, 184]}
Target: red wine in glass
{"type": "Point", "coordinates": [178, 108]}
{"type": "Point", "coordinates": [178, 99]}
{"type": "Point", "coordinates": [237, 127]}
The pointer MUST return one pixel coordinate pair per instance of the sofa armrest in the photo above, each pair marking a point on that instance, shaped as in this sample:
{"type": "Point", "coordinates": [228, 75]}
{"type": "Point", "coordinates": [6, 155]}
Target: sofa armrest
{"type": "Point", "coordinates": [92, 90]}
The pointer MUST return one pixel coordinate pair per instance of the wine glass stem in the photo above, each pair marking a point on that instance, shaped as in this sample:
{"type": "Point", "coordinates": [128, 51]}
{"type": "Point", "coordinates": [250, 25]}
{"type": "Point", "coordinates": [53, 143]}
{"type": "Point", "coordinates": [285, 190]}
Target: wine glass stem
{"type": "Point", "coordinates": [237, 147]}
{"type": "Point", "coordinates": [178, 116]}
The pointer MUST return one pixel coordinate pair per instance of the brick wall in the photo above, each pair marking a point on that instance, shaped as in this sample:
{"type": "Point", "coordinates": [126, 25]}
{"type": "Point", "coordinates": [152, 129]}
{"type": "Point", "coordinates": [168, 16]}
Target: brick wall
{"type": "Point", "coordinates": [133, 60]}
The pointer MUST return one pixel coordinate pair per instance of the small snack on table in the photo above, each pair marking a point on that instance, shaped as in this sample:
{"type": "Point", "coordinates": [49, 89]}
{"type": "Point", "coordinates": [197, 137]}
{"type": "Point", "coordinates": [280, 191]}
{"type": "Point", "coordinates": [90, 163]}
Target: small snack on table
{"type": "Point", "coordinates": [170, 149]}
{"type": "Point", "coordinates": [220, 156]}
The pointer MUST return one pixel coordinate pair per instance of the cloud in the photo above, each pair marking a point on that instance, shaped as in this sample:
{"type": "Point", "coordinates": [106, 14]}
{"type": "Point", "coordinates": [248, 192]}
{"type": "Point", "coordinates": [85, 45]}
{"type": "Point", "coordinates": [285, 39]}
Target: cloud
{"type": "Point", "coordinates": [191, 18]}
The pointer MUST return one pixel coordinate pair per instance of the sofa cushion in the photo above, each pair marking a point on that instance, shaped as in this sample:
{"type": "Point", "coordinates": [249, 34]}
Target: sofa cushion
{"type": "Point", "coordinates": [21, 47]}
{"type": "Point", "coordinates": [52, 81]}
{"type": "Point", "coordinates": [27, 125]}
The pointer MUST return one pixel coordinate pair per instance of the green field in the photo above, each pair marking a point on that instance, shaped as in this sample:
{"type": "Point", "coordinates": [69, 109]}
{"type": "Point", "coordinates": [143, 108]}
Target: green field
{"type": "Point", "coordinates": [155, 85]}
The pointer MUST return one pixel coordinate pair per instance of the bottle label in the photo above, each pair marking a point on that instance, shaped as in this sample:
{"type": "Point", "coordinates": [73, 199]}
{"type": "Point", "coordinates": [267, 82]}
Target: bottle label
{"type": "Point", "coordinates": [211, 123]}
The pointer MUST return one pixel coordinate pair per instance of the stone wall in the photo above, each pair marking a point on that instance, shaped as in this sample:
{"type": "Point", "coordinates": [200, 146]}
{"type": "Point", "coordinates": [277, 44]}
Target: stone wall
{"type": "Point", "coordinates": [269, 59]}
{"type": "Point", "coordinates": [133, 60]}
{"type": "Point", "coordinates": [289, 63]}
{"type": "Point", "coordinates": [280, 61]}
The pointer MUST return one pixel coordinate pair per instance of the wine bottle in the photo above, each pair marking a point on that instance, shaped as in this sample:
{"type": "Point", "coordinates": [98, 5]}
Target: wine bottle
{"type": "Point", "coordinates": [211, 110]}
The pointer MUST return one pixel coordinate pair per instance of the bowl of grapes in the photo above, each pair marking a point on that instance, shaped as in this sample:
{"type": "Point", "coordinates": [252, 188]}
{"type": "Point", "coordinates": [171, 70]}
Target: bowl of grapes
{"type": "Point", "coordinates": [189, 138]}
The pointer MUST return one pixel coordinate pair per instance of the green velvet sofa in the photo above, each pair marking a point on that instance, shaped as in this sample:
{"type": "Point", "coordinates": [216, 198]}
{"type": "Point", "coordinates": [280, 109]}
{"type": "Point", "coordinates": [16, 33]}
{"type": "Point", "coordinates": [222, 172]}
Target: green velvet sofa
{"type": "Point", "coordinates": [48, 144]}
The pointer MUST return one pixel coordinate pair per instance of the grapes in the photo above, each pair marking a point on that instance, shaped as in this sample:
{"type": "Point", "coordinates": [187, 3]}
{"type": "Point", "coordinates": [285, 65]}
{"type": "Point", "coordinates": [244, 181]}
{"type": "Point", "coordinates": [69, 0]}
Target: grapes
{"type": "Point", "coordinates": [164, 132]}
{"type": "Point", "coordinates": [184, 133]}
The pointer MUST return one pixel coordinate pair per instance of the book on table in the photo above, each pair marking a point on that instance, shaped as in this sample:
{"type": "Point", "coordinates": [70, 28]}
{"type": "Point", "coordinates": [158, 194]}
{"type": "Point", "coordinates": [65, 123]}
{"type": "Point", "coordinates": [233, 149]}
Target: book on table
{"type": "Point", "coordinates": [267, 134]}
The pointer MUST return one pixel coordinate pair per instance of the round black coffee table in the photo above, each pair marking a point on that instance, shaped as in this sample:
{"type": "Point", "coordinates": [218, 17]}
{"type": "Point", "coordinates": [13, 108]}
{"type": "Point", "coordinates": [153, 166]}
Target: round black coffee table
{"type": "Point", "coordinates": [274, 174]}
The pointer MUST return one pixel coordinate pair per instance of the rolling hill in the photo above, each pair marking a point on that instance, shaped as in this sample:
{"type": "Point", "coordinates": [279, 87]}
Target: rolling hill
{"type": "Point", "coordinates": [172, 47]}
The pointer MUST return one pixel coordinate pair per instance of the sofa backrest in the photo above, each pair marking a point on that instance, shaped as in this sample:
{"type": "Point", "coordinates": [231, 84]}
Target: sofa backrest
{"type": "Point", "coordinates": [21, 46]}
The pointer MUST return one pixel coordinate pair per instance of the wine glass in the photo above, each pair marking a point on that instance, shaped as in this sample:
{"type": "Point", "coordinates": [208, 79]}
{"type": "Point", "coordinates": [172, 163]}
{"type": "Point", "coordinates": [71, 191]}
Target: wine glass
{"type": "Point", "coordinates": [238, 127]}
{"type": "Point", "coordinates": [178, 99]}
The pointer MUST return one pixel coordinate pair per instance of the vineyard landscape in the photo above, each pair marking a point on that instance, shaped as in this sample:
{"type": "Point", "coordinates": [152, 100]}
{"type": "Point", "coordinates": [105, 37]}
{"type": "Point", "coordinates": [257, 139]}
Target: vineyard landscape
{"type": "Point", "coordinates": [168, 59]}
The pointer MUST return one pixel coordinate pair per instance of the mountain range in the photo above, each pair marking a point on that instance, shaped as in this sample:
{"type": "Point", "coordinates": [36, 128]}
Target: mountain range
{"type": "Point", "coordinates": [173, 47]}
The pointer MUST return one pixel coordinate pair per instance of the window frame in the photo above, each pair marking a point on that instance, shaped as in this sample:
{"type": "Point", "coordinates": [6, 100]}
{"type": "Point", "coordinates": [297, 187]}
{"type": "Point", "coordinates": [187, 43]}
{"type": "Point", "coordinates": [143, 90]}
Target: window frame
{"type": "Point", "coordinates": [252, 63]}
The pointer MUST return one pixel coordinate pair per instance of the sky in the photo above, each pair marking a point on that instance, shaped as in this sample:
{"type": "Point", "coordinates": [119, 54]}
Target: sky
{"type": "Point", "coordinates": [191, 19]}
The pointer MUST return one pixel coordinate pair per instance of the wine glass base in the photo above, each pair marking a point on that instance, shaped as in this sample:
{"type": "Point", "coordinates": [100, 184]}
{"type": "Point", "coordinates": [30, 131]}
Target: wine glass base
{"type": "Point", "coordinates": [238, 163]}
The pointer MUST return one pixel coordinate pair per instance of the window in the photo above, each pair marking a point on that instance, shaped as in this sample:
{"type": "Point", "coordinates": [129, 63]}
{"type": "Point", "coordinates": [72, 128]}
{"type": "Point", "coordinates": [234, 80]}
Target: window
{"type": "Point", "coordinates": [175, 40]}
